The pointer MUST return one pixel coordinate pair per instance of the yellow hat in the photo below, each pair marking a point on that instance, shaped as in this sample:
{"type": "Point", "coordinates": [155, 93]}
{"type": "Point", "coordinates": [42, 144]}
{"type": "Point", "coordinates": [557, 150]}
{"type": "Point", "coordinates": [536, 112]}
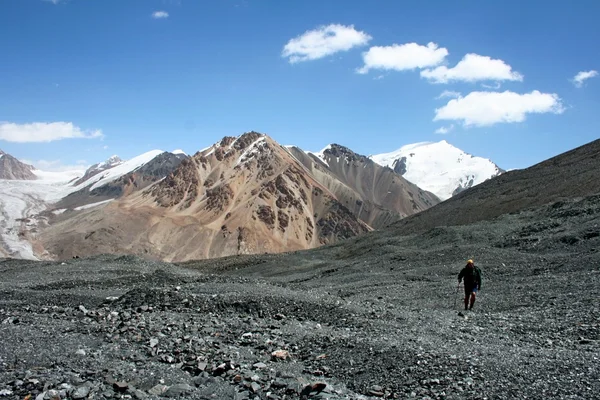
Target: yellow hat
{"type": "Point", "coordinates": [469, 261]}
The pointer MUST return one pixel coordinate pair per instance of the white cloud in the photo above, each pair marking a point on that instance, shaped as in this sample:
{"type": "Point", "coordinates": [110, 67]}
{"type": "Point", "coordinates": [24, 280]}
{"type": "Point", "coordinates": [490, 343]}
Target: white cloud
{"type": "Point", "coordinates": [402, 57]}
{"type": "Point", "coordinates": [57, 165]}
{"type": "Point", "coordinates": [444, 129]}
{"type": "Point", "coordinates": [582, 76]}
{"type": "Point", "coordinates": [105, 147]}
{"type": "Point", "coordinates": [472, 68]}
{"type": "Point", "coordinates": [160, 14]}
{"type": "Point", "coordinates": [495, 86]}
{"type": "Point", "coordinates": [53, 1]}
{"type": "Point", "coordinates": [44, 132]}
{"type": "Point", "coordinates": [324, 41]}
{"type": "Point", "coordinates": [448, 93]}
{"type": "Point", "coordinates": [489, 108]}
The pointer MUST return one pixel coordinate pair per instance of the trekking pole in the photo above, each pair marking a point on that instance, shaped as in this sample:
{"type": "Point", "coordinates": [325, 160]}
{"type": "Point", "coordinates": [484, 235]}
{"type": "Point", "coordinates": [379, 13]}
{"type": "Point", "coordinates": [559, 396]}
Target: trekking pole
{"type": "Point", "coordinates": [457, 290]}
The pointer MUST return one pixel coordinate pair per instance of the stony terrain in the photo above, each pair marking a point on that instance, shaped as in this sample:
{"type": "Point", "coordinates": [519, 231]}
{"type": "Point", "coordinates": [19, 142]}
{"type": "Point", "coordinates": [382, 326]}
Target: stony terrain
{"type": "Point", "coordinates": [371, 317]}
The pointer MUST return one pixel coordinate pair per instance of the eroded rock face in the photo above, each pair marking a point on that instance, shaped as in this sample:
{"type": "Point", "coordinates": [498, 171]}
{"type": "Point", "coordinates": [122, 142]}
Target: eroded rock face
{"type": "Point", "coordinates": [180, 186]}
{"type": "Point", "coordinates": [241, 195]}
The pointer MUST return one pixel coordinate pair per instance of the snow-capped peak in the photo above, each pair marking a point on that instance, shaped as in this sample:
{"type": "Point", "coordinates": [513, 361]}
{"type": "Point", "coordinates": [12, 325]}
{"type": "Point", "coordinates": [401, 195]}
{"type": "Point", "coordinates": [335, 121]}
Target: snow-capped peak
{"type": "Point", "coordinates": [111, 162]}
{"type": "Point", "coordinates": [115, 170]}
{"type": "Point", "coordinates": [438, 167]}
{"type": "Point", "coordinates": [179, 151]}
{"type": "Point", "coordinates": [321, 154]}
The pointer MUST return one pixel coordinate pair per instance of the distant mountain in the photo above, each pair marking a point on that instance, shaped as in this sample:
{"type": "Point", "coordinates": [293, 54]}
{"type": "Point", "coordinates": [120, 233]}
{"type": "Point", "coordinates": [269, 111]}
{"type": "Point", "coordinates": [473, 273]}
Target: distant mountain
{"type": "Point", "coordinates": [13, 169]}
{"type": "Point", "coordinates": [439, 167]}
{"type": "Point", "coordinates": [98, 168]}
{"type": "Point", "coordinates": [242, 195]}
{"type": "Point", "coordinates": [114, 177]}
{"type": "Point", "coordinates": [376, 195]}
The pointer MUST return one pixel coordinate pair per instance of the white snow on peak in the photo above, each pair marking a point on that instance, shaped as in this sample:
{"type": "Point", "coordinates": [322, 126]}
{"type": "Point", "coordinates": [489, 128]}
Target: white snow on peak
{"type": "Point", "coordinates": [250, 150]}
{"type": "Point", "coordinates": [179, 151]}
{"type": "Point", "coordinates": [111, 162]}
{"type": "Point", "coordinates": [118, 171]}
{"type": "Point", "coordinates": [439, 167]}
{"type": "Point", "coordinates": [321, 154]}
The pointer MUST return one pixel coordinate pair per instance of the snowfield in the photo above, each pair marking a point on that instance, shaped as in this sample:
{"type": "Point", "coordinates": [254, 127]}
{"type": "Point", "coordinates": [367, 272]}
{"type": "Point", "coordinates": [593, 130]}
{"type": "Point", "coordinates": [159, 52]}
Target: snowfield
{"type": "Point", "coordinates": [21, 202]}
{"type": "Point", "coordinates": [439, 167]}
{"type": "Point", "coordinates": [24, 200]}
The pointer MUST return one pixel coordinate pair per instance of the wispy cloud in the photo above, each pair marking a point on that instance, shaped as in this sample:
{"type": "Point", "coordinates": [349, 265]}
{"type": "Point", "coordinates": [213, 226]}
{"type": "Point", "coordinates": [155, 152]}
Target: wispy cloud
{"type": "Point", "coordinates": [324, 41]}
{"type": "Point", "coordinates": [448, 93]}
{"type": "Point", "coordinates": [105, 147]}
{"type": "Point", "coordinates": [473, 68]}
{"type": "Point", "coordinates": [401, 57]}
{"type": "Point", "coordinates": [160, 14]}
{"type": "Point", "coordinates": [444, 129]}
{"type": "Point", "coordinates": [489, 108]}
{"type": "Point", "coordinates": [495, 86]}
{"type": "Point", "coordinates": [54, 1]}
{"type": "Point", "coordinates": [44, 132]}
{"type": "Point", "coordinates": [582, 76]}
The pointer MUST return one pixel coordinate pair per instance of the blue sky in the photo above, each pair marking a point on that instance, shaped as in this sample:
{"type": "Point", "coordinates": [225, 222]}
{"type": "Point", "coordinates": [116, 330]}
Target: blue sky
{"type": "Point", "coordinates": [81, 80]}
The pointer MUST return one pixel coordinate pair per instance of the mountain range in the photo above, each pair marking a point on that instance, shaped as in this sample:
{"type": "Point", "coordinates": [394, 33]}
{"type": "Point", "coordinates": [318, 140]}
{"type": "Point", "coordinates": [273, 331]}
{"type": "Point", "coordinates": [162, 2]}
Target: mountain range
{"type": "Point", "coordinates": [242, 195]}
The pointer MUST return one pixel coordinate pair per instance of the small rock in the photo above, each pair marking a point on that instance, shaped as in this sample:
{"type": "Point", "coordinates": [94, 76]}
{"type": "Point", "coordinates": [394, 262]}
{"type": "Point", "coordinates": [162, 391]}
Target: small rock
{"type": "Point", "coordinates": [158, 390]}
{"type": "Point", "coordinates": [80, 352]}
{"type": "Point", "coordinates": [279, 384]}
{"type": "Point", "coordinates": [178, 390]}
{"type": "Point", "coordinates": [308, 389]}
{"type": "Point", "coordinates": [260, 365]}
{"type": "Point", "coordinates": [247, 335]}
{"type": "Point", "coordinates": [254, 387]}
{"type": "Point", "coordinates": [5, 392]}
{"type": "Point", "coordinates": [280, 355]}
{"type": "Point", "coordinates": [120, 386]}
{"type": "Point", "coordinates": [153, 342]}
{"type": "Point", "coordinates": [52, 395]}
{"type": "Point", "coordinates": [140, 395]}
{"type": "Point", "coordinates": [279, 317]}
{"type": "Point", "coordinates": [83, 309]}
{"type": "Point", "coordinates": [81, 392]}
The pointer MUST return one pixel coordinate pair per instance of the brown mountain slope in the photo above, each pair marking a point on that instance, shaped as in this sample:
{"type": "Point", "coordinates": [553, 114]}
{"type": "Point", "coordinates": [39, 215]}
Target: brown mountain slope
{"type": "Point", "coordinates": [242, 195]}
{"type": "Point", "coordinates": [569, 175]}
{"type": "Point", "coordinates": [376, 194]}
{"type": "Point", "coordinates": [11, 168]}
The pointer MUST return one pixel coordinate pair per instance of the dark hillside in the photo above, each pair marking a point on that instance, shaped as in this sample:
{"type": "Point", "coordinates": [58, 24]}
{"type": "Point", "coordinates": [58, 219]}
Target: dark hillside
{"type": "Point", "coordinates": [569, 175]}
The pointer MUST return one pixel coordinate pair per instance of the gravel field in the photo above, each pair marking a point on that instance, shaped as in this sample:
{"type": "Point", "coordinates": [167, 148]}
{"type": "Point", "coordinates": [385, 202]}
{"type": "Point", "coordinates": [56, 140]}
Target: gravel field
{"type": "Point", "coordinates": [377, 316]}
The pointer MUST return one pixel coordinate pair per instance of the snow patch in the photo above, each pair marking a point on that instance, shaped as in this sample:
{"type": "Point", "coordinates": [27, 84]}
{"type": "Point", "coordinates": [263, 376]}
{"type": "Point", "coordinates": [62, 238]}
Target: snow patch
{"type": "Point", "coordinates": [250, 150]}
{"type": "Point", "coordinates": [85, 207]}
{"type": "Point", "coordinates": [118, 171]}
{"type": "Point", "coordinates": [179, 151]}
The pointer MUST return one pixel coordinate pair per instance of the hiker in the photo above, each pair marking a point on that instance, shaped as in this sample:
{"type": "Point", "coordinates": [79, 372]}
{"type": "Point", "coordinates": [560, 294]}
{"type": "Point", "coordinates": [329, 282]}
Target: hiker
{"type": "Point", "coordinates": [472, 276]}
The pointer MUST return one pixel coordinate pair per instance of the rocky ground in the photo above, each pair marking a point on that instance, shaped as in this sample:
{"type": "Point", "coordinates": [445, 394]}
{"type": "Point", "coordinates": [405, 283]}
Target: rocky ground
{"type": "Point", "coordinates": [372, 317]}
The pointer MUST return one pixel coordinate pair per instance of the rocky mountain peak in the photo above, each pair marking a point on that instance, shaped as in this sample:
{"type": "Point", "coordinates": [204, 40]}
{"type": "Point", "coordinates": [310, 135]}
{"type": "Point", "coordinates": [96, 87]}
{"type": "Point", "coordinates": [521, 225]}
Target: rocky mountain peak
{"type": "Point", "coordinates": [337, 150]}
{"type": "Point", "coordinates": [11, 168]}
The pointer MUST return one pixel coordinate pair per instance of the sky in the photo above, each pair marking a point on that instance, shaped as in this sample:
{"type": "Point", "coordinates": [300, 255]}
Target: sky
{"type": "Point", "coordinates": [512, 81]}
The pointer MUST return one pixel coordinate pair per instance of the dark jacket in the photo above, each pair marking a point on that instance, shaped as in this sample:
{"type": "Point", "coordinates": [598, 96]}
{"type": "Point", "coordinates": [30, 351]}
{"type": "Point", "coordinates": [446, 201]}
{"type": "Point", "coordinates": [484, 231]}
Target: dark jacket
{"type": "Point", "coordinates": [472, 277]}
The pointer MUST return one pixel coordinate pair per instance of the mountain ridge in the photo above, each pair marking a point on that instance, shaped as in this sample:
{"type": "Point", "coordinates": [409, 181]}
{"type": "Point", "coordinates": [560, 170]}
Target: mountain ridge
{"type": "Point", "coordinates": [439, 167]}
